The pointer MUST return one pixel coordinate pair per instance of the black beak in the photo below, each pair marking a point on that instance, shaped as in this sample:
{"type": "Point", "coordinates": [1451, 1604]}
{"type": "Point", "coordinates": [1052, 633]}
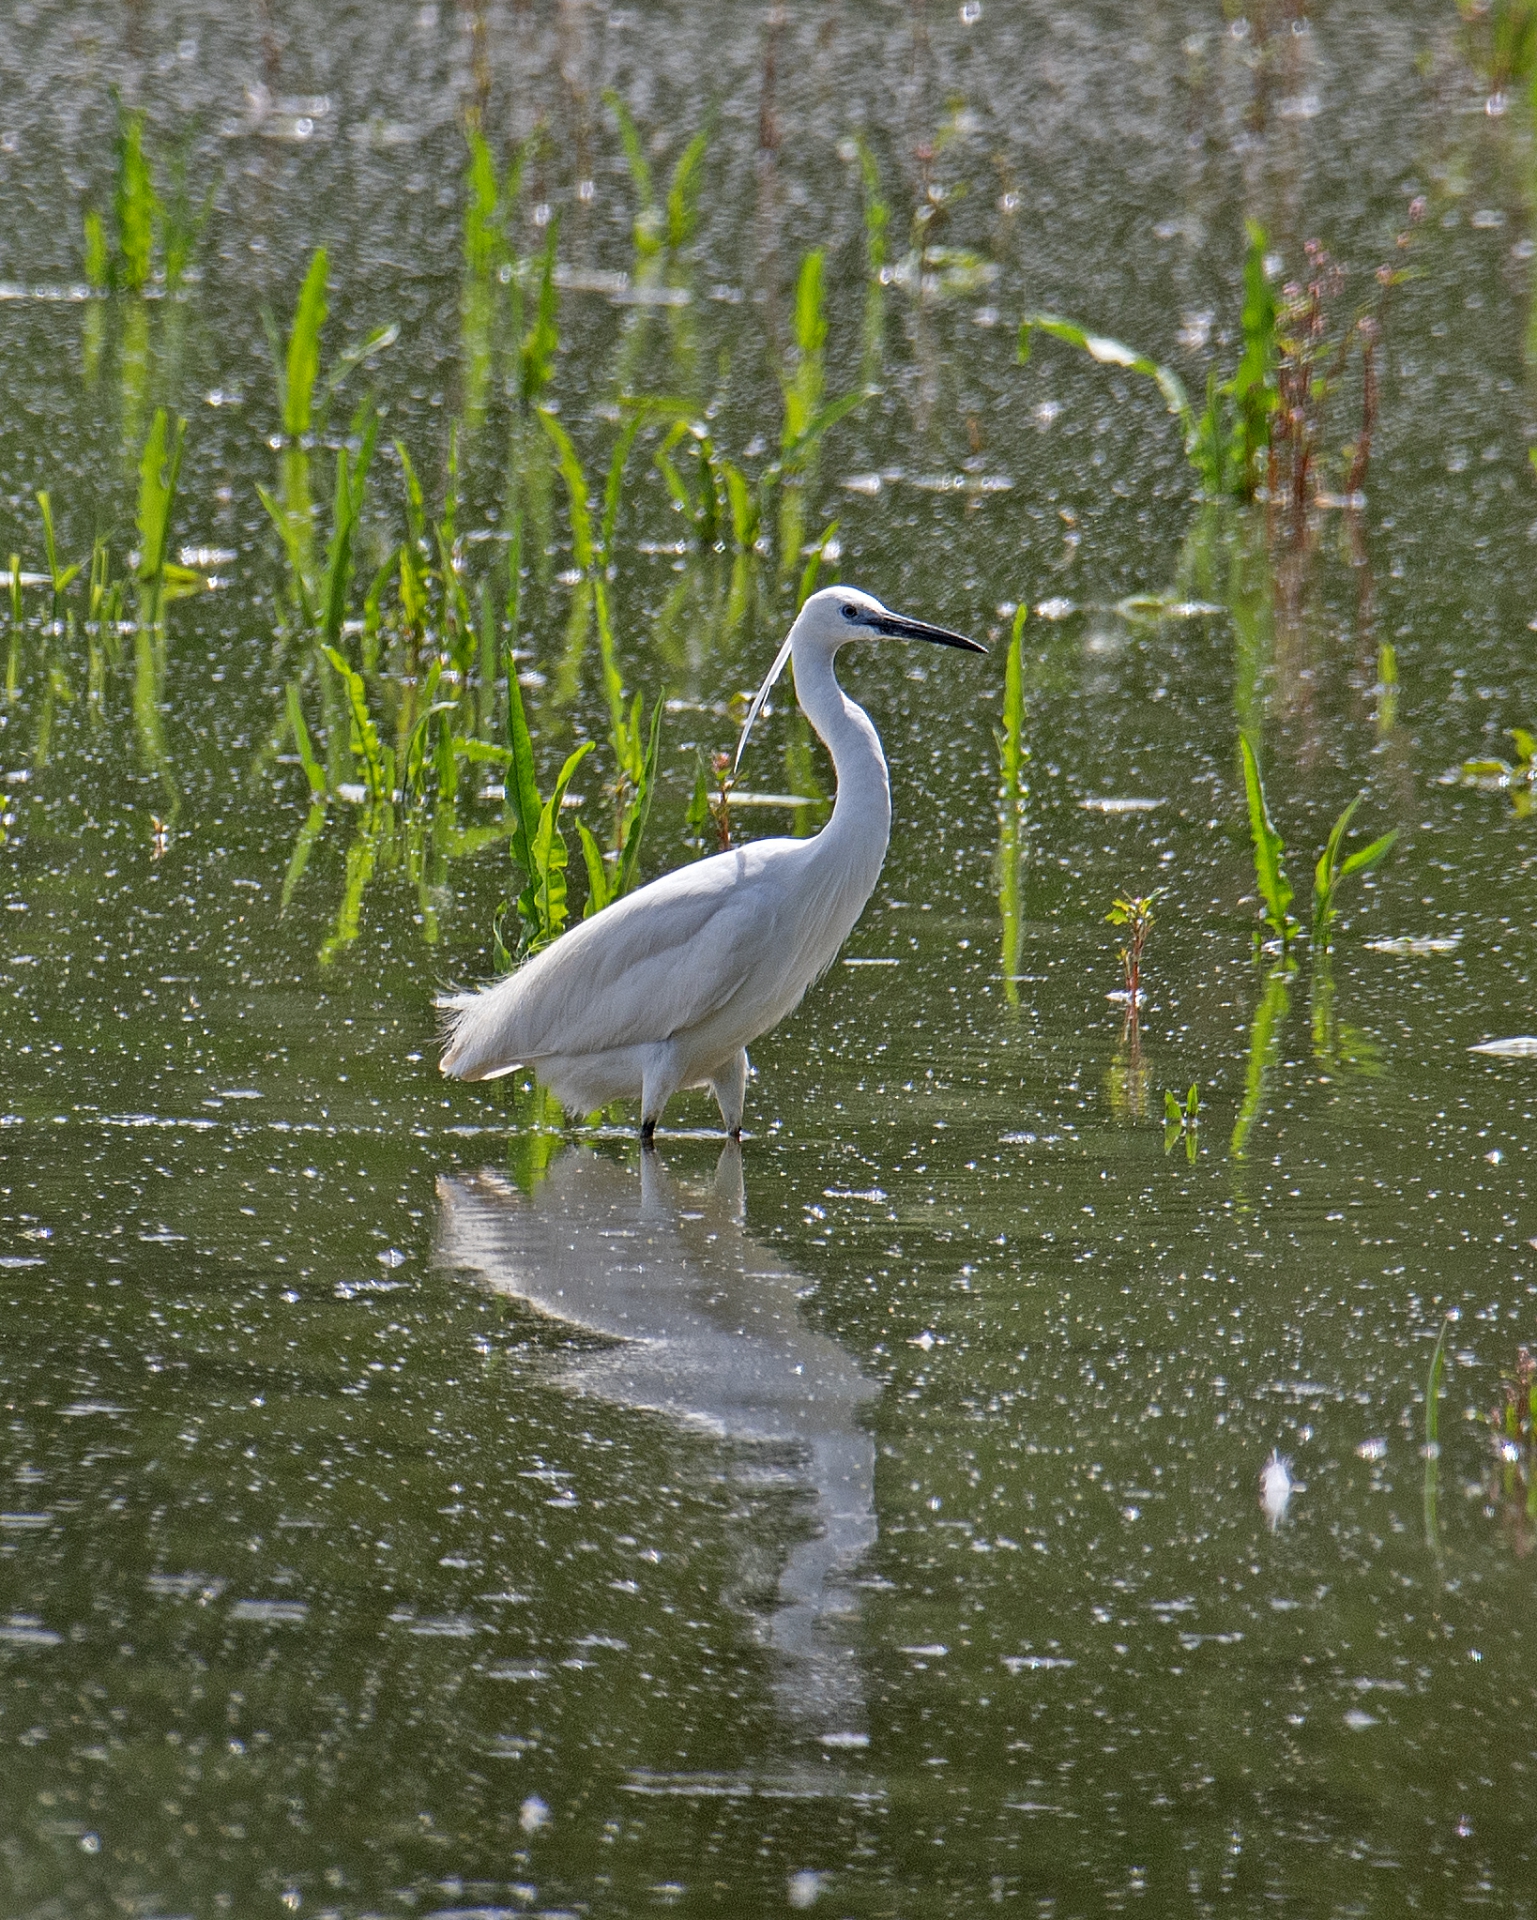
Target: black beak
{"type": "Point", "coordinates": [898, 627]}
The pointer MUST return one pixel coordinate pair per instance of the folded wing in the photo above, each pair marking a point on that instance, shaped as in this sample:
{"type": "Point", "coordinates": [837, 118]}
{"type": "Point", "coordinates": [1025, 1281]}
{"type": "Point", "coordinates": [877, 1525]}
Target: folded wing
{"type": "Point", "coordinates": [652, 965]}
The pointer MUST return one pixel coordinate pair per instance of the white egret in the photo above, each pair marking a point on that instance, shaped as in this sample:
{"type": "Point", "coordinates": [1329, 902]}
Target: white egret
{"type": "Point", "coordinates": [666, 988]}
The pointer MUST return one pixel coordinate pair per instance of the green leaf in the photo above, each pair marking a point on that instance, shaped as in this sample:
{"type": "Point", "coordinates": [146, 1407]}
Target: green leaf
{"type": "Point", "coordinates": [98, 255]}
{"type": "Point", "coordinates": [549, 851]}
{"type": "Point", "coordinates": [640, 806]}
{"type": "Point", "coordinates": [1269, 873]}
{"type": "Point", "coordinates": [598, 894]}
{"type": "Point", "coordinates": [743, 505]}
{"type": "Point", "coordinates": [303, 363]}
{"type": "Point", "coordinates": [1365, 857]}
{"type": "Point", "coordinates": [810, 317]}
{"type": "Point", "coordinates": [634, 151]}
{"type": "Point", "coordinates": [813, 567]}
{"type": "Point", "coordinates": [136, 204]}
{"type": "Point", "coordinates": [1111, 353]}
{"type": "Point", "coordinates": [522, 793]}
{"type": "Point", "coordinates": [537, 351]}
{"type": "Point", "coordinates": [583, 550]}
{"type": "Point", "coordinates": [683, 194]}
{"type": "Point", "coordinates": [796, 450]}
{"type": "Point", "coordinates": [614, 486]}
{"type": "Point", "coordinates": [1173, 1111]}
{"type": "Point", "coordinates": [313, 771]}
{"type": "Point", "coordinates": [365, 735]}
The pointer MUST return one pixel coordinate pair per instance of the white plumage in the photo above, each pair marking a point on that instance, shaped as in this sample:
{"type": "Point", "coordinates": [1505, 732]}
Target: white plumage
{"type": "Point", "coordinates": [666, 988]}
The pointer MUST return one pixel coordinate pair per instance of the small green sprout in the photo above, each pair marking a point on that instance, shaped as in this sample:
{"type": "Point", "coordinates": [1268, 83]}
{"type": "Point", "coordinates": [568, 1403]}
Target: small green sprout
{"type": "Point", "coordinates": [1135, 913]}
{"type": "Point", "coordinates": [1331, 870]}
{"type": "Point", "coordinates": [1182, 1120]}
{"type": "Point", "coordinates": [1520, 779]}
{"type": "Point", "coordinates": [1275, 890]}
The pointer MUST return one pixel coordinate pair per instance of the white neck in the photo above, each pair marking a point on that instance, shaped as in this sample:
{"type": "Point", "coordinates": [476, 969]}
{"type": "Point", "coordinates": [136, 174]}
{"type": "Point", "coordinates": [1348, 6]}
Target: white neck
{"type": "Point", "coordinates": [861, 822]}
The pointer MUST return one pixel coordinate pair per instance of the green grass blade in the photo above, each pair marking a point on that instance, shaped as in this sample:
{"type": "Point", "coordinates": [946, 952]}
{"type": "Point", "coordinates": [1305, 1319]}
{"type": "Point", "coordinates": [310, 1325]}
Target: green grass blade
{"type": "Point", "coordinates": [810, 304]}
{"type": "Point", "coordinates": [683, 193]}
{"type": "Point", "coordinates": [522, 791]}
{"type": "Point", "coordinates": [313, 771]}
{"type": "Point", "coordinates": [614, 486]}
{"type": "Point", "coordinates": [302, 365]}
{"type": "Point", "coordinates": [365, 736]}
{"type": "Point", "coordinates": [549, 851]}
{"type": "Point", "coordinates": [598, 894]}
{"type": "Point", "coordinates": [1112, 353]}
{"type": "Point", "coordinates": [135, 204]}
{"type": "Point", "coordinates": [797, 449]}
{"type": "Point", "coordinates": [299, 859]}
{"type": "Point", "coordinates": [634, 150]}
{"type": "Point", "coordinates": [583, 550]}
{"type": "Point", "coordinates": [640, 808]}
{"type": "Point", "coordinates": [1433, 1434]}
{"type": "Point", "coordinates": [1370, 856]}
{"type": "Point", "coordinates": [1269, 848]}
{"type": "Point", "coordinates": [537, 351]}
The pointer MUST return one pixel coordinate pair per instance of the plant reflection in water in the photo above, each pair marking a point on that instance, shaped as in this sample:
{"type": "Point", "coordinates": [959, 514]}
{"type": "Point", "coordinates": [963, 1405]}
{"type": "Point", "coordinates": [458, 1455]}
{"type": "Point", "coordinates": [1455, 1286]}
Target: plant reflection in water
{"type": "Point", "coordinates": [707, 1330]}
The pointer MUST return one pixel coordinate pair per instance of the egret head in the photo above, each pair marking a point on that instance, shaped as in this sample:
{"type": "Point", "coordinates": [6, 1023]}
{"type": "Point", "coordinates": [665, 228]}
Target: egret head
{"type": "Point", "coordinates": [840, 614]}
{"type": "Point", "coordinates": [833, 617]}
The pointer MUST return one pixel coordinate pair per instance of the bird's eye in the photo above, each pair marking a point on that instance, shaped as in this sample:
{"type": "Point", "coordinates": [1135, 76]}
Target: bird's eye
{"type": "Point", "coordinates": [850, 612]}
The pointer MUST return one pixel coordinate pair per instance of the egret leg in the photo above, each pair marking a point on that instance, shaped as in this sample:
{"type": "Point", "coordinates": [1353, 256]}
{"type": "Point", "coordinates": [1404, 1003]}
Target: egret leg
{"type": "Point", "coordinates": [730, 1089]}
{"type": "Point", "coordinates": [659, 1082]}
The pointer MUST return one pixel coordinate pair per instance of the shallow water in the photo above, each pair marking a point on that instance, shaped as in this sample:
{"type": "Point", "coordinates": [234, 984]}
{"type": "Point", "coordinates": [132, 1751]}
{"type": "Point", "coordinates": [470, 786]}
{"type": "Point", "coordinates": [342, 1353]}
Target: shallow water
{"type": "Point", "coordinates": [409, 1511]}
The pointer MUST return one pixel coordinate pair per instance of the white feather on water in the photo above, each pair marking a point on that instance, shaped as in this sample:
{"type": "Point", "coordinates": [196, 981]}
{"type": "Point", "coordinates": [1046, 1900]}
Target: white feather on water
{"type": "Point", "coordinates": [1276, 1487]}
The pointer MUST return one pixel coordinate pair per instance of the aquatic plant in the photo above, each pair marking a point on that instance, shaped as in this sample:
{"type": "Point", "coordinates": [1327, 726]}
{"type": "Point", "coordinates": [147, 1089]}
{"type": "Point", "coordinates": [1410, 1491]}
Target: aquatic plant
{"type": "Point", "coordinates": [1499, 41]}
{"type": "Point", "coordinates": [1263, 425]}
{"type": "Point", "coordinates": [1511, 1483]}
{"type": "Point", "coordinates": [540, 344]}
{"type": "Point", "coordinates": [1135, 913]}
{"type": "Point", "coordinates": [154, 235]}
{"type": "Point", "coordinates": [1331, 870]}
{"type": "Point", "coordinates": [660, 224]}
{"type": "Point", "coordinates": [592, 546]}
{"type": "Point", "coordinates": [304, 401]}
{"type": "Point", "coordinates": [1182, 1121]}
{"type": "Point", "coordinates": [1518, 777]}
{"type": "Point", "coordinates": [1264, 1050]}
{"type": "Point", "coordinates": [59, 578]}
{"type": "Point", "coordinates": [1432, 1447]}
{"type": "Point", "coordinates": [1225, 442]}
{"type": "Point", "coordinates": [155, 576]}
{"type": "Point", "coordinates": [1013, 793]}
{"type": "Point", "coordinates": [1275, 890]}
{"type": "Point", "coordinates": [538, 846]}
{"type": "Point", "coordinates": [488, 264]}
{"type": "Point", "coordinates": [877, 220]}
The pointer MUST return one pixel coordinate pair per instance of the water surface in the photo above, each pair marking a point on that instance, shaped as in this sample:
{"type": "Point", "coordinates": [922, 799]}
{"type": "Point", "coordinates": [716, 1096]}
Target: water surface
{"type": "Point", "coordinates": [409, 1511]}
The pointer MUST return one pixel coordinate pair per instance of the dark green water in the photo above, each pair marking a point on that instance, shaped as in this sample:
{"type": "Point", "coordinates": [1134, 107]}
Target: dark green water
{"type": "Point", "coordinates": [405, 1512]}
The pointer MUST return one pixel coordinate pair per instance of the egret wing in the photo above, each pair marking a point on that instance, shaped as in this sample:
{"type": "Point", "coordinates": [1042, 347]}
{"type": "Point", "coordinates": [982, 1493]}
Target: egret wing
{"type": "Point", "coordinates": [652, 965]}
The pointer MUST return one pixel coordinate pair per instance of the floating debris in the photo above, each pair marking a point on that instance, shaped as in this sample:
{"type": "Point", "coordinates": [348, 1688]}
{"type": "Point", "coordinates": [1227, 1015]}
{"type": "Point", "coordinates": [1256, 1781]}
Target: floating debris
{"type": "Point", "coordinates": [1108, 805]}
{"type": "Point", "coordinates": [26, 1630]}
{"type": "Point", "coordinates": [270, 1613]}
{"type": "Point", "coordinates": [1520, 1046]}
{"type": "Point", "coordinates": [1276, 1487]}
{"type": "Point", "coordinates": [1414, 944]}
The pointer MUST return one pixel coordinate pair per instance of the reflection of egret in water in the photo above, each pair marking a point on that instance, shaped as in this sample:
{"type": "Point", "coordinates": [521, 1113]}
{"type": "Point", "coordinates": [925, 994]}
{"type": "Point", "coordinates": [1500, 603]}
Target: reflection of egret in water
{"type": "Point", "coordinates": [708, 1329]}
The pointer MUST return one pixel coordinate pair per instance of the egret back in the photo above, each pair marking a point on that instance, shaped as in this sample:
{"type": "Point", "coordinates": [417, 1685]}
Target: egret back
{"type": "Point", "coordinates": [733, 941]}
